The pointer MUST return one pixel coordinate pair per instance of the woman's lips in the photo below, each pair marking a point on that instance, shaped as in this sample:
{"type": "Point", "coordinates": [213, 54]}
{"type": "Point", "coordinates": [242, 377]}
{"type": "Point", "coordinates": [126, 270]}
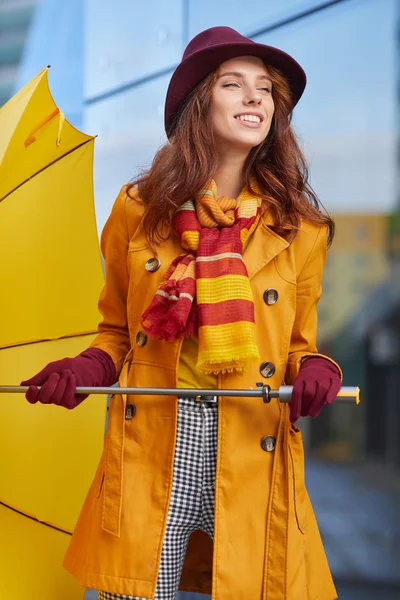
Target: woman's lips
{"type": "Point", "coordinates": [251, 124]}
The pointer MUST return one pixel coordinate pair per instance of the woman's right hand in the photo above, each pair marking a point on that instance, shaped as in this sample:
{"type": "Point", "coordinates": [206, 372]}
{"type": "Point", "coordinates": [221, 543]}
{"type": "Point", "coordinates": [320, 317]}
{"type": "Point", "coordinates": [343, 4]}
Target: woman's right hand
{"type": "Point", "coordinates": [59, 379]}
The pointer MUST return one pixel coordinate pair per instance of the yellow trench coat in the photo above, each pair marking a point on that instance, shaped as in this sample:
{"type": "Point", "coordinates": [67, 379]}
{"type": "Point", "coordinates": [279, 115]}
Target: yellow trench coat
{"type": "Point", "coordinates": [266, 544]}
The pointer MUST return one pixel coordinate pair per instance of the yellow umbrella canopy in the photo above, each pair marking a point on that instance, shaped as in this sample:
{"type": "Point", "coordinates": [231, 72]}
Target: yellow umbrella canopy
{"type": "Point", "coordinates": [50, 278]}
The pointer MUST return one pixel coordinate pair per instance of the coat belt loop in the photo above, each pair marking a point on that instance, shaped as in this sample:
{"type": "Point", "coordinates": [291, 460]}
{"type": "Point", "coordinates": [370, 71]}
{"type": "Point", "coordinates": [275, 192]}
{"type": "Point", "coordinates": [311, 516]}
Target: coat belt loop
{"type": "Point", "coordinates": [114, 458]}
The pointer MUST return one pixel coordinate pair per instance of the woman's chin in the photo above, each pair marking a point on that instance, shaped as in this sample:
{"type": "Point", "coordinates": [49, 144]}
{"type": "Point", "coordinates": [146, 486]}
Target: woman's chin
{"type": "Point", "coordinates": [244, 142]}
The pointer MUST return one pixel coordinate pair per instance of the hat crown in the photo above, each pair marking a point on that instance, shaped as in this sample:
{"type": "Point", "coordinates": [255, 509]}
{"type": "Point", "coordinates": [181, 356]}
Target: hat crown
{"type": "Point", "coordinates": [215, 36]}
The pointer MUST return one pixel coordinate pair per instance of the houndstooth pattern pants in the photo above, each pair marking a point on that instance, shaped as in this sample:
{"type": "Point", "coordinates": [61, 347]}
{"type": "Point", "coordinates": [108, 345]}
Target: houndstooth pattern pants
{"type": "Point", "coordinates": [192, 496]}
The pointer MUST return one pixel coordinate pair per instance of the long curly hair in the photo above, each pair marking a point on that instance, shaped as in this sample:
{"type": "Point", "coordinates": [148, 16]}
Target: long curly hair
{"type": "Point", "coordinates": [186, 163]}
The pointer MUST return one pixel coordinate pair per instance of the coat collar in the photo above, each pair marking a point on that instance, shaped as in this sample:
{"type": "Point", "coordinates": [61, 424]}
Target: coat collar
{"type": "Point", "coordinates": [264, 245]}
{"type": "Point", "coordinates": [268, 219]}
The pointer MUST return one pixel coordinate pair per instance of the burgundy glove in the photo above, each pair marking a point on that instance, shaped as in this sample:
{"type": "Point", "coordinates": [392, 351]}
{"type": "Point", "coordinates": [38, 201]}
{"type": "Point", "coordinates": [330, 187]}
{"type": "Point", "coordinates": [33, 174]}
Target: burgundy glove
{"type": "Point", "coordinates": [317, 383]}
{"type": "Point", "coordinates": [59, 379]}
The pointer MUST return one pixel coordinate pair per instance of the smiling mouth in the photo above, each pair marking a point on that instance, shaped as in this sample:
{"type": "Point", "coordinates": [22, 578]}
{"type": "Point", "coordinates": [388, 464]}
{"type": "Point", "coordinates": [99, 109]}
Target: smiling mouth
{"type": "Point", "coordinates": [249, 118]}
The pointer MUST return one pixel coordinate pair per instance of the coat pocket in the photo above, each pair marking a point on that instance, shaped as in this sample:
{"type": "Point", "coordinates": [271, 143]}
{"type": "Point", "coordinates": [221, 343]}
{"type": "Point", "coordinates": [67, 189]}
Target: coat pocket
{"type": "Point", "coordinates": [296, 457]}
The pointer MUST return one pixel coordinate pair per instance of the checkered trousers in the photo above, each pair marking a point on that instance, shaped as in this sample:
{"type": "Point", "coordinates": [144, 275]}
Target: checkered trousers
{"type": "Point", "coordinates": [192, 496]}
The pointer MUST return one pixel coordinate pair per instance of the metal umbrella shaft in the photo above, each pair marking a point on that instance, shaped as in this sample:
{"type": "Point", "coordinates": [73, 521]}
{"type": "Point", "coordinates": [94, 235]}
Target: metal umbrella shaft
{"type": "Point", "coordinates": [346, 395]}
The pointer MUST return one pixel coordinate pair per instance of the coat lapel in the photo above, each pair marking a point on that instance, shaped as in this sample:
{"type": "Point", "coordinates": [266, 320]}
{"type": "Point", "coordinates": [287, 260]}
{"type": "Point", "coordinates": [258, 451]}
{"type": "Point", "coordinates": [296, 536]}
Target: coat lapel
{"type": "Point", "coordinates": [264, 245]}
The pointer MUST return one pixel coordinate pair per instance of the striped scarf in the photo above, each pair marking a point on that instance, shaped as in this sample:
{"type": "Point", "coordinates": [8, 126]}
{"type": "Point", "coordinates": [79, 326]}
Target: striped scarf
{"type": "Point", "coordinates": [207, 290]}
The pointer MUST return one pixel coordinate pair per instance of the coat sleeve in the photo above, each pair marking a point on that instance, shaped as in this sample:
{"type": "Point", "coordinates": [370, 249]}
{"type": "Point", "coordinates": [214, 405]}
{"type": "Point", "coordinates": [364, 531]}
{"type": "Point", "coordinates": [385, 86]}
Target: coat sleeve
{"type": "Point", "coordinates": [309, 288]}
{"type": "Point", "coordinates": [113, 336]}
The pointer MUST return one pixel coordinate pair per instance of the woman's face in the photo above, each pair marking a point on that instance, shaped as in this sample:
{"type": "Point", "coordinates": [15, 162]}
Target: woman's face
{"type": "Point", "coordinates": [242, 106]}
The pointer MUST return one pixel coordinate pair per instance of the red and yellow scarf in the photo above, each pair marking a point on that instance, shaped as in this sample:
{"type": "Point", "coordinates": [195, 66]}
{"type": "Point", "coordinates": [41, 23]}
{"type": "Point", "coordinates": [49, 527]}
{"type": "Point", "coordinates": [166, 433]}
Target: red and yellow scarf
{"type": "Point", "coordinates": [207, 290]}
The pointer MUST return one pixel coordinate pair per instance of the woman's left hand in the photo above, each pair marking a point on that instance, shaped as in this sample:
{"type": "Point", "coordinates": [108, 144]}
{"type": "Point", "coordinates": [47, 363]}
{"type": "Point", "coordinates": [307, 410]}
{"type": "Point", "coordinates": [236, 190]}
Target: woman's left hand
{"type": "Point", "coordinates": [317, 383]}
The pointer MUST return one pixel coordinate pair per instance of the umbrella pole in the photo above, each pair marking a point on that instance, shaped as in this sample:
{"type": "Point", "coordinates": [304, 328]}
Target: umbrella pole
{"type": "Point", "coordinates": [346, 395]}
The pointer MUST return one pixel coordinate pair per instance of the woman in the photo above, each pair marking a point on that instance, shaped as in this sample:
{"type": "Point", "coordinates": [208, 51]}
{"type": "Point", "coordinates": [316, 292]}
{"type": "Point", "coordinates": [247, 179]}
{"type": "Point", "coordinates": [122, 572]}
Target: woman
{"type": "Point", "coordinates": [214, 261]}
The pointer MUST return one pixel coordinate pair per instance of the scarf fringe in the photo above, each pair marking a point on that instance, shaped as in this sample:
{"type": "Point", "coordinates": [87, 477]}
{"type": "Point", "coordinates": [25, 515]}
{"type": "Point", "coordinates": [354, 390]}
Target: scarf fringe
{"type": "Point", "coordinates": [239, 364]}
{"type": "Point", "coordinates": [174, 323]}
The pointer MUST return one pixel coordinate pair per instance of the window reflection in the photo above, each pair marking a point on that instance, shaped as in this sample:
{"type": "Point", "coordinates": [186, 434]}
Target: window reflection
{"type": "Point", "coordinates": [127, 40]}
{"type": "Point", "coordinates": [350, 83]}
{"type": "Point", "coordinates": [130, 128]}
{"type": "Point", "coordinates": [246, 19]}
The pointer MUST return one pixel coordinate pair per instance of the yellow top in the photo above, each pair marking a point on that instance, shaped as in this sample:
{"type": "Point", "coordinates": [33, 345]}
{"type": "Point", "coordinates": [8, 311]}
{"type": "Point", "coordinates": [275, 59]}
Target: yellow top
{"type": "Point", "coordinates": [188, 376]}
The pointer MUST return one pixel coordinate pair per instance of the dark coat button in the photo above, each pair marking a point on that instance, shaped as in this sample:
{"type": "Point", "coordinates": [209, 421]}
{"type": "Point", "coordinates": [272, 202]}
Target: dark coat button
{"type": "Point", "coordinates": [270, 296]}
{"type": "Point", "coordinates": [267, 369]}
{"type": "Point", "coordinates": [152, 264]}
{"type": "Point", "coordinates": [141, 338]}
{"type": "Point", "coordinates": [130, 411]}
{"type": "Point", "coordinates": [268, 443]}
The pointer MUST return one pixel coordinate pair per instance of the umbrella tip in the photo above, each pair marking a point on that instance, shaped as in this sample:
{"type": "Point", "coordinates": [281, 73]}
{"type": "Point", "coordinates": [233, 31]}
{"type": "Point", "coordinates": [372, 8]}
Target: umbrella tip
{"type": "Point", "coordinates": [48, 66]}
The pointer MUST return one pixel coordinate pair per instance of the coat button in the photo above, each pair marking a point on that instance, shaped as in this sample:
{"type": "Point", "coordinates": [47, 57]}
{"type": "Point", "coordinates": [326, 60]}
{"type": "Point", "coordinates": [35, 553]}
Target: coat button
{"type": "Point", "coordinates": [268, 443]}
{"type": "Point", "coordinates": [130, 411]}
{"type": "Point", "coordinates": [270, 296]}
{"type": "Point", "coordinates": [152, 264]}
{"type": "Point", "coordinates": [141, 338]}
{"type": "Point", "coordinates": [267, 369]}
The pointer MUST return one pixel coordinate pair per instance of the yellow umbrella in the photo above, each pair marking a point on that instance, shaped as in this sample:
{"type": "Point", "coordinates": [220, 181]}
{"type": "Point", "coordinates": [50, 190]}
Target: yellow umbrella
{"type": "Point", "coordinates": [50, 278]}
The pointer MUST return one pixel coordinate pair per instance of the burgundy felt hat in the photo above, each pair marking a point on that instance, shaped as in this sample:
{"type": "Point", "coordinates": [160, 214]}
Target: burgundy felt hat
{"type": "Point", "coordinates": [214, 46]}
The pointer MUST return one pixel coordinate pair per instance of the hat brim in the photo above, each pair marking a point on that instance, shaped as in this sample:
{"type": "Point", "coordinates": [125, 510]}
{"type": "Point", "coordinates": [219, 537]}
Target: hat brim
{"type": "Point", "coordinates": [198, 65]}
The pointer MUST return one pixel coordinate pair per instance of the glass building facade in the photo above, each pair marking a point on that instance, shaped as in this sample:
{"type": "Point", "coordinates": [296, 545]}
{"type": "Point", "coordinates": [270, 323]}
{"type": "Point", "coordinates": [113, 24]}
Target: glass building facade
{"type": "Point", "coordinates": [15, 23]}
{"type": "Point", "coordinates": [120, 57]}
{"type": "Point", "coordinates": [55, 38]}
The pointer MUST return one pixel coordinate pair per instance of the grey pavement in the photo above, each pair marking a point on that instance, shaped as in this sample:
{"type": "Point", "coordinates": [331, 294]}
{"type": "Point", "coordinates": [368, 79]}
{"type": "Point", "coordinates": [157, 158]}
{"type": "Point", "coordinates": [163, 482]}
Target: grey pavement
{"type": "Point", "coordinates": [358, 511]}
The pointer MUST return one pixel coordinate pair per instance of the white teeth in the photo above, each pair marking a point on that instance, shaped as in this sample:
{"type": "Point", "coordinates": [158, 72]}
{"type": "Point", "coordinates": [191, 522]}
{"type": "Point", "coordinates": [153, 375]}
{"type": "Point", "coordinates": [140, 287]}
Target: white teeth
{"type": "Point", "coordinates": [252, 118]}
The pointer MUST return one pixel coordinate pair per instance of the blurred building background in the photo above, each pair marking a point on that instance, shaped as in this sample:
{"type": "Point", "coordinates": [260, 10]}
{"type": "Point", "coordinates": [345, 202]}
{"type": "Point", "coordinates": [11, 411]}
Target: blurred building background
{"type": "Point", "coordinates": [15, 18]}
{"type": "Point", "coordinates": [111, 64]}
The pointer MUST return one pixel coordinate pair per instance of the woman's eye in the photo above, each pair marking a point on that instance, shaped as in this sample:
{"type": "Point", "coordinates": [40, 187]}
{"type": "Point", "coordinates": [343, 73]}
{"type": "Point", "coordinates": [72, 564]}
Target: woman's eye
{"type": "Point", "coordinates": [265, 89]}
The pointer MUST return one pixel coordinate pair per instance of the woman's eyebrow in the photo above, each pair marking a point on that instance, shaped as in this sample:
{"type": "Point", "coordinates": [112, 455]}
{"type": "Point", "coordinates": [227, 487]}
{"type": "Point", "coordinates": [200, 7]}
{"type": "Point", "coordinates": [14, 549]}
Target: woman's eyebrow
{"type": "Point", "coordinates": [242, 75]}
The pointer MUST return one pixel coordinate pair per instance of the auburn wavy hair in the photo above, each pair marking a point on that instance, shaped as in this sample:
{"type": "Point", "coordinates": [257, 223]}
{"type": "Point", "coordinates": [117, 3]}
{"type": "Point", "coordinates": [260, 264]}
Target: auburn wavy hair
{"type": "Point", "coordinates": [186, 163]}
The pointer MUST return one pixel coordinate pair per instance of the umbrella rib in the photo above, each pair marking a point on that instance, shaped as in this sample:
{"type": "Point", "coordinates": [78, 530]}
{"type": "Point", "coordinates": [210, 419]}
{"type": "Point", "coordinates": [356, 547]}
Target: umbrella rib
{"type": "Point", "coordinates": [61, 337]}
{"type": "Point", "coordinates": [33, 518]}
{"type": "Point", "coordinates": [46, 167]}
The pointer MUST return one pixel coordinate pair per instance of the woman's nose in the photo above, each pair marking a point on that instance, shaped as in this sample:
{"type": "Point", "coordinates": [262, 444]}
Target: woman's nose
{"type": "Point", "coordinates": [254, 97]}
